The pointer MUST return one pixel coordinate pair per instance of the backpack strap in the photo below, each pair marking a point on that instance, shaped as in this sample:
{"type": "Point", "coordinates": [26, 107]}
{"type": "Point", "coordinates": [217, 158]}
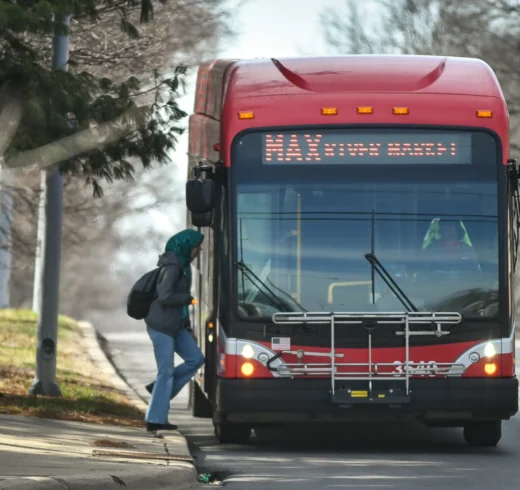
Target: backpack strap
{"type": "Point", "coordinates": [157, 275]}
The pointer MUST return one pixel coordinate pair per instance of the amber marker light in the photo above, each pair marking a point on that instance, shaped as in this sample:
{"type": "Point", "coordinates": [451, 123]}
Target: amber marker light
{"type": "Point", "coordinates": [246, 115]}
{"type": "Point", "coordinates": [490, 368]}
{"type": "Point", "coordinates": [401, 111]}
{"type": "Point", "coordinates": [329, 111]}
{"type": "Point", "coordinates": [247, 369]}
{"type": "Point", "coordinates": [365, 110]}
{"type": "Point", "coordinates": [484, 113]}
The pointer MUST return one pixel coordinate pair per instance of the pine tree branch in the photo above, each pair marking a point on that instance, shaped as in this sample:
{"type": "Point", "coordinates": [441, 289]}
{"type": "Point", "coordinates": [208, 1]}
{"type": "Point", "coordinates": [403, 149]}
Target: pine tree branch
{"type": "Point", "coordinates": [81, 142]}
{"type": "Point", "coordinates": [10, 117]}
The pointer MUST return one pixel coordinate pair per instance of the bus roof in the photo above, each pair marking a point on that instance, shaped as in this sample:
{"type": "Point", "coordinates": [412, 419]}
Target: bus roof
{"type": "Point", "coordinates": [363, 73]}
{"type": "Point", "coordinates": [437, 90]}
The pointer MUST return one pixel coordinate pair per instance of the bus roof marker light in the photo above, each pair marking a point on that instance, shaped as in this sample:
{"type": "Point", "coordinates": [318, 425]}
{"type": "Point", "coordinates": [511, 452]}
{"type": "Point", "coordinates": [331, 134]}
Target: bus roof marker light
{"type": "Point", "coordinates": [365, 110]}
{"type": "Point", "coordinates": [246, 115]}
{"type": "Point", "coordinates": [329, 111]}
{"type": "Point", "coordinates": [247, 369]}
{"type": "Point", "coordinates": [484, 113]}
{"type": "Point", "coordinates": [401, 111]}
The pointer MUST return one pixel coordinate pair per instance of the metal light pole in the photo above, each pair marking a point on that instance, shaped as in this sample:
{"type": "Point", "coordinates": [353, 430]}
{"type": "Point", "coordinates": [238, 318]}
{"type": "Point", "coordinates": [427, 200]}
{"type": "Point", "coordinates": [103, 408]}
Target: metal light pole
{"type": "Point", "coordinates": [45, 382]}
{"type": "Point", "coordinates": [36, 305]}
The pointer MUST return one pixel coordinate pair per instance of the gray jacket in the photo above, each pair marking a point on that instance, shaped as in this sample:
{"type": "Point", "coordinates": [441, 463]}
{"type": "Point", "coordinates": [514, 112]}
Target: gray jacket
{"type": "Point", "coordinates": [173, 293]}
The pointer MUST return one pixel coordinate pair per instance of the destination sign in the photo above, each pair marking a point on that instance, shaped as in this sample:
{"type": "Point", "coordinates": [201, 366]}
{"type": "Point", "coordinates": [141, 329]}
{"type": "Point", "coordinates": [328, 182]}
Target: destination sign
{"type": "Point", "coordinates": [351, 147]}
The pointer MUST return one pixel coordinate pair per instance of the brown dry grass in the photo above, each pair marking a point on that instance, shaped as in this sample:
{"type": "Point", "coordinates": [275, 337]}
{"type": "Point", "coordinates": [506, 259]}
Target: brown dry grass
{"type": "Point", "coordinates": [87, 397]}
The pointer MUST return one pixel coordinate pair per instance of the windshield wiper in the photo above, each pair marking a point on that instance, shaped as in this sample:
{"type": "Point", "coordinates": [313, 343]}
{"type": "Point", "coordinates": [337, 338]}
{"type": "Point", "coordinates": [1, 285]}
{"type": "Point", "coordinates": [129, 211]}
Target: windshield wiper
{"type": "Point", "coordinates": [276, 300]}
{"type": "Point", "coordinates": [394, 287]}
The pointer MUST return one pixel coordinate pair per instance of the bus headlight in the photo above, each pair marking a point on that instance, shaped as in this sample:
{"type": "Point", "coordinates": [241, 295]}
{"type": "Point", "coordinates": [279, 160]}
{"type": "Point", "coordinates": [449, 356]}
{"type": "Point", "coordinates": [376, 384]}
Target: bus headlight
{"type": "Point", "coordinates": [490, 350]}
{"type": "Point", "coordinates": [248, 352]}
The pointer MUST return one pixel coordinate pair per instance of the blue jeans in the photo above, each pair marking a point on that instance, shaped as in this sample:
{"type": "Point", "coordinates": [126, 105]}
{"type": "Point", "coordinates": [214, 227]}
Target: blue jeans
{"type": "Point", "coordinates": [170, 380]}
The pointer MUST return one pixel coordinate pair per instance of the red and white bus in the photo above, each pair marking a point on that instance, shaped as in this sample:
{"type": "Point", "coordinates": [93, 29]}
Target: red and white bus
{"type": "Point", "coordinates": [360, 215]}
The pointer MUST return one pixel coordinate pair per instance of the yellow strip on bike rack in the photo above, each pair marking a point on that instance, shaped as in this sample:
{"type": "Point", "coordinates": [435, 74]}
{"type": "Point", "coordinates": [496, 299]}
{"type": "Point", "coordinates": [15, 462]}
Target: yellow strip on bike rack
{"type": "Point", "coordinates": [359, 394]}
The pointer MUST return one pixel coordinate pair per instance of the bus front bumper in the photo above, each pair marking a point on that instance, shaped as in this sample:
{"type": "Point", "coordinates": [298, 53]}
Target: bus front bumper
{"type": "Point", "coordinates": [450, 402]}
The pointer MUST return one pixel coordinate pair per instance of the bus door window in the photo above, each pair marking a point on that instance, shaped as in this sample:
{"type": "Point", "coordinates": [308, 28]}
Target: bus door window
{"type": "Point", "coordinates": [206, 301]}
{"type": "Point", "coordinates": [254, 231]}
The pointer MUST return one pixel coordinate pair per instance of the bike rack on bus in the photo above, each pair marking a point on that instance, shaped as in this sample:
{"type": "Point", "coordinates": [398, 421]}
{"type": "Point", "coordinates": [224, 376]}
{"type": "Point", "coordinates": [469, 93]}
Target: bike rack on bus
{"type": "Point", "coordinates": [370, 321]}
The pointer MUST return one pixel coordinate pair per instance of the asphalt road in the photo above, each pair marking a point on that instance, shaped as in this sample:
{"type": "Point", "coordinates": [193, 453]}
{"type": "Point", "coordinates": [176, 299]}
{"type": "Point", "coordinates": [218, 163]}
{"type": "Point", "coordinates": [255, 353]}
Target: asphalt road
{"type": "Point", "coordinates": [390, 456]}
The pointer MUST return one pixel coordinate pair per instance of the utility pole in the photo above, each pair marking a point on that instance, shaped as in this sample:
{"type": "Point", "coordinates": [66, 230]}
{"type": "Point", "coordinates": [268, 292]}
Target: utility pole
{"type": "Point", "coordinates": [45, 382]}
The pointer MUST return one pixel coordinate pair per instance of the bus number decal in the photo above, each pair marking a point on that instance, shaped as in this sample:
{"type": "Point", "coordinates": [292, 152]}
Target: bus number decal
{"type": "Point", "coordinates": [419, 369]}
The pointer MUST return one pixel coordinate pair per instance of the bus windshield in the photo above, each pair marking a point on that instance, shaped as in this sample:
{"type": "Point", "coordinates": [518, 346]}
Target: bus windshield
{"type": "Point", "coordinates": [302, 238]}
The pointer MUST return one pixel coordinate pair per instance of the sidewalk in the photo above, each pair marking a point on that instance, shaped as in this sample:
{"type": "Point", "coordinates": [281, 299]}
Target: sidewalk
{"type": "Point", "coordinates": [87, 456]}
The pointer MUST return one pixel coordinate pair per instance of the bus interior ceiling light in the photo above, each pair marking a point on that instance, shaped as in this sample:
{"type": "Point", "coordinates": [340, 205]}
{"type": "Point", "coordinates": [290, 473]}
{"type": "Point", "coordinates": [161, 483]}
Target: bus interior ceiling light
{"type": "Point", "coordinates": [329, 111]}
{"type": "Point", "coordinates": [484, 113]}
{"type": "Point", "coordinates": [248, 352]}
{"type": "Point", "coordinates": [401, 111]}
{"type": "Point", "coordinates": [247, 369]}
{"type": "Point", "coordinates": [246, 115]}
{"type": "Point", "coordinates": [365, 110]}
{"type": "Point", "coordinates": [490, 350]}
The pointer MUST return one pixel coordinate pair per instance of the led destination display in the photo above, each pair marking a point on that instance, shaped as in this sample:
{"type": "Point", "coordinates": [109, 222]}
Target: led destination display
{"type": "Point", "coordinates": [349, 147]}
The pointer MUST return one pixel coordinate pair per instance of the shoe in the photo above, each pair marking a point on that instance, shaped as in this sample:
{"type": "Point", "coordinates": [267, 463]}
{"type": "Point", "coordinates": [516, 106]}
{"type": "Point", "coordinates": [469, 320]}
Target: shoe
{"type": "Point", "coordinates": [149, 388]}
{"type": "Point", "coordinates": [154, 427]}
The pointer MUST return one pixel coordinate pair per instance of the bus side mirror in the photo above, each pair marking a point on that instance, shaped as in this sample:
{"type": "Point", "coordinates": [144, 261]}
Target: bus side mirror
{"type": "Point", "coordinates": [202, 220]}
{"type": "Point", "coordinates": [201, 195]}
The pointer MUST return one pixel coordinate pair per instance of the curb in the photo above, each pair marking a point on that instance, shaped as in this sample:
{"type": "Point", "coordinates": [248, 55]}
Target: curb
{"type": "Point", "coordinates": [100, 359]}
{"type": "Point", "coordinates": [181, 477]}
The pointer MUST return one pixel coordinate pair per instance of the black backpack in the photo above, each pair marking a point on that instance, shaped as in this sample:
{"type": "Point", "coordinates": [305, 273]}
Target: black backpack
{"type": "Point", "coordinates": [142, 295]}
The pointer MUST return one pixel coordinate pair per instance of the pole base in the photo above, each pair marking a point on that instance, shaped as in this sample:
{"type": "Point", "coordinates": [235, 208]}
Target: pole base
{"type": "Point", "coordinates": [45, 389]}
